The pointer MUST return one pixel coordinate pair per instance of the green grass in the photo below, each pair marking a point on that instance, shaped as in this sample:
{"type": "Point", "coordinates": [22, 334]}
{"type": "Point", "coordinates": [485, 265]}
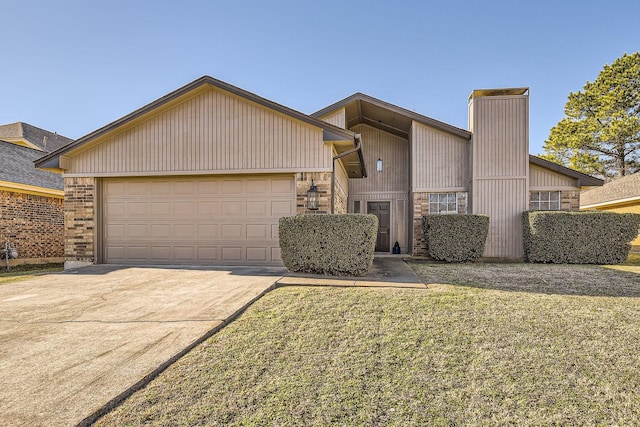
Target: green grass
{"type": "Point", "coordinates": [485, 344]}
{"type": "Point", "coordinates": [27, 271]}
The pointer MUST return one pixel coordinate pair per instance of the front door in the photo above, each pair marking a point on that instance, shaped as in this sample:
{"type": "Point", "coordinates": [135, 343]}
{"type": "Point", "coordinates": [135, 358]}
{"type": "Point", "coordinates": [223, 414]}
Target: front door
{"type": "Point", "coordinates": [381, 210]}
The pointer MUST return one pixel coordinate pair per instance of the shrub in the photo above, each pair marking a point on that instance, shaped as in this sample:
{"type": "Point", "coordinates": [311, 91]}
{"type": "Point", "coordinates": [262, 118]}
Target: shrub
{"type": "Point", "coordinates": [578, 237]}
{"type": "Point", "coordinates": [340, 245]}
{"type": "Point", "coordinates": [455, 238]}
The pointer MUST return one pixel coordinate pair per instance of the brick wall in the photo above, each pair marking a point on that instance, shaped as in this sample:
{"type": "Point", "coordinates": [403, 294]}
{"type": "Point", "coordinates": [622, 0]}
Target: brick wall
{"type": "Point", "coordinates": [570, 201]}
{"type": "Point", "coordinates": [322, 180]}
{"type": "Point", "coordinates": [79, 222]}
{"type": "Point", "coordinates": [34, 224]}
{"type": "Point", "coordinates": [420, 209]}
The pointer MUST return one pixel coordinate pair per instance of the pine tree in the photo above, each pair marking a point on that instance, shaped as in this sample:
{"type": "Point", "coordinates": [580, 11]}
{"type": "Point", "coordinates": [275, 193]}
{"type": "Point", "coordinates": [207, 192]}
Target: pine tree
{"type": "Point", "coordinates": [600, 133]}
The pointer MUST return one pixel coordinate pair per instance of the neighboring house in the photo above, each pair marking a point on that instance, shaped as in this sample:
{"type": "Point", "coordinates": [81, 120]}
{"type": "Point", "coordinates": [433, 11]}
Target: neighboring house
{"type": "Point", "coordinates": [621, 195]}
{"type": "Point", "coordinates": [202, 175]}
{"type": "Point", "coordinates": [31, 200]}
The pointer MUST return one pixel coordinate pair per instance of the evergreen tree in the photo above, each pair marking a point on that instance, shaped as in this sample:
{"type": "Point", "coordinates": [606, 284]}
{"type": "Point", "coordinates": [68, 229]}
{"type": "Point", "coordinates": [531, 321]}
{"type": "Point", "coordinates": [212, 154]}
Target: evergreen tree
{"type": "Point", "coordinates": [600, 133]}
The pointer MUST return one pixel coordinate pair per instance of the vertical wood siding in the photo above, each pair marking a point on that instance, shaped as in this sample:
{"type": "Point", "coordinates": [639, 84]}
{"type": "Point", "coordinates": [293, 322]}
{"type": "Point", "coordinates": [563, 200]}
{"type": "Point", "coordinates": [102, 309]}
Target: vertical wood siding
{"type": "Point", "coordinates": [213, 131]}
{"type": "Point", "coordinates": [504, 201]}
{"type": "Point", "coordinates": [439, 160]}
{"type": "Point", "coordinates": [336, 118]}
{"type": "Point", "coordinates": [394, 152]}
{"type": "Point", "coordinates": [545, 179]}
{"type": "Point", "coordinates": [501, 137]}
{"type": "Point", "coordinates": [500, 155]}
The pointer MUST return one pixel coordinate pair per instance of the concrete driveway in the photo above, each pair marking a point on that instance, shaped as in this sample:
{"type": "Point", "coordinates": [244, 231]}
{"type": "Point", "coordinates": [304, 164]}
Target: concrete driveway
{"type": "Point", "coordinates": [73, 341]}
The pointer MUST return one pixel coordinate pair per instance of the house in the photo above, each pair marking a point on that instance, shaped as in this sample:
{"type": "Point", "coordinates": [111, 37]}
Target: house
{"type": "Point", "coordinates": [202, 175]}
{"type": "Point", "coordinates": [621, 195]}
{"type": "Point", "coordinates": [31, 211]}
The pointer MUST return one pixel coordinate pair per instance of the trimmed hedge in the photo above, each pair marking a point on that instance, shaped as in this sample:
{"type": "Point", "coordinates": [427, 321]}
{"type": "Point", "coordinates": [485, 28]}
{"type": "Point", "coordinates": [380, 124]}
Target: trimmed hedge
{"type": "Point", "coordinates": [455, 238]}
{"type": "Point", "coordinates": [578, 237]}
{"type": "Point", "coordinates": [339, 245]}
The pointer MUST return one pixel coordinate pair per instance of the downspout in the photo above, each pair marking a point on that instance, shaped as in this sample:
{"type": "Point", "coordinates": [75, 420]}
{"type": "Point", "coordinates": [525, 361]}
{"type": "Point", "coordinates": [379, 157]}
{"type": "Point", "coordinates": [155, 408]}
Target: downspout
{"type": "Point", "coordinates": [358, 140]}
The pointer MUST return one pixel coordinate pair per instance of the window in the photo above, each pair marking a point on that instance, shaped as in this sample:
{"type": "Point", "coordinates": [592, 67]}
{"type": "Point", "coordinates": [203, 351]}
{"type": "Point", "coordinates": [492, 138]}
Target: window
{"type": "Point", "coordinates": [356, 206]}
{"type": "Point", "coordinates": [544, 201]}
{"type": "Point", "coordinates": [447, 203]}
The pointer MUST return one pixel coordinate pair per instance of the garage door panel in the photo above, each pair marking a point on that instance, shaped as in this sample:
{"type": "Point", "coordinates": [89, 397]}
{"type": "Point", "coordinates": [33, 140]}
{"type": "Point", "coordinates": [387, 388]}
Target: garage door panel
{"type": "Point", "coordinates": [208, 187]}
{"type": "Point", "coordinates": [137, 209]}
{"type": "Point", "coordinates": [209, 231]}
{"type": "Point", "coordinates": [232, 231]}
{"type": "Point", "coordinates": [160, 209]}
{"type": "Point", "coordinates": [137, 188]}
{"type": "Point", "coordinates": [184, 188]}
{"type": "Point", "coordinates": [232, 254]}
{"type": "Point", "coordinates": [233, 208]}
{"type": "Point", "coordinates": [257, 186]}
{"type": "Point", "coordinates": [281, 208]}
{"type": "Point", "coordinates": [195, 220]}
{"type": "Point", "coordinates": [208, 209]}
{"type": "Point", "coordinates": [185, 231]}
{"type": "Point", "coordinates": [137, 230]}
{"type": "Point", "coordinates": [258, 231]}
{"type": "Point", "coordinates": [258, 208]}
{"type": "Point", "coordinates": [232, 186]}
{"type": "Point", "coordinates": [257, 254]}
{"type": "Point", "coordinates": [207, 254]}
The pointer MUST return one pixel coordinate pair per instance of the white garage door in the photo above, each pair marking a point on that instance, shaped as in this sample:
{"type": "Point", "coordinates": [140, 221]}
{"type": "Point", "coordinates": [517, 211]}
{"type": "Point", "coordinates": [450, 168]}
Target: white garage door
{"type": "Point", "coordinates": [208, 220]}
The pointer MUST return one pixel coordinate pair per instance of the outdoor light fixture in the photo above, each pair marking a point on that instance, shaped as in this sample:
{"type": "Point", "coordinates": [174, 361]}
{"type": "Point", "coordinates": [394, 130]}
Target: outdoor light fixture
{"type": "Point", "coordinates": [312, 197]}
{"type": "Point", "coordinates": [379, 162]}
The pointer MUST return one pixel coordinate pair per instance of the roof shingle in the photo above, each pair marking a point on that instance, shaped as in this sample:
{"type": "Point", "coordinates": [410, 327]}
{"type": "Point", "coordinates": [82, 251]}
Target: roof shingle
{"type": "Point", "coordinates": [16, 165]}
{"type": "Point", "coordinates": [622, 188]}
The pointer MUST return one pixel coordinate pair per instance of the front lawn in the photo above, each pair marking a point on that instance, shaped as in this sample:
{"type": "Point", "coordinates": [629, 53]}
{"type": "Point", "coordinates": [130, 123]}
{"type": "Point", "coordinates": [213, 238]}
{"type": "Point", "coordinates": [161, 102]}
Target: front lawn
{"type": "Point", "coordinates": [485, 344]}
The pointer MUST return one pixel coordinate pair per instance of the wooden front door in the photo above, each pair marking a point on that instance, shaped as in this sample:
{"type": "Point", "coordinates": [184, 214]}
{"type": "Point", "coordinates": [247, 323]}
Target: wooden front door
{"type": "Point", "coordinates": [381, 210]}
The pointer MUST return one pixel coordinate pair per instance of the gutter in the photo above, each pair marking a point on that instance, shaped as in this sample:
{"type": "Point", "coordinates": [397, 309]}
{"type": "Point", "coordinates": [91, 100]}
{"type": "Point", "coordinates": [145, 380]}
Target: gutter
{"type": "Point", "coordinates": [358, 148]}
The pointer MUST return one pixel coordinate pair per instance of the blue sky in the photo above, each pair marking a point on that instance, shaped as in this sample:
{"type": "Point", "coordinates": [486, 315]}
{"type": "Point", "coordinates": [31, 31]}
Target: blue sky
{"type": "Point", "coordinates": [75, 66]}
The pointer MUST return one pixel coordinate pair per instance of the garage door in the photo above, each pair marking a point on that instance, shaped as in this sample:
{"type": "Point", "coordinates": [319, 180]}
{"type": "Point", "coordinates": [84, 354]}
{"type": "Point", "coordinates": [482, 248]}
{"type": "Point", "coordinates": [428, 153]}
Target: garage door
{"type": "Point", "coordinates": [195, 220]}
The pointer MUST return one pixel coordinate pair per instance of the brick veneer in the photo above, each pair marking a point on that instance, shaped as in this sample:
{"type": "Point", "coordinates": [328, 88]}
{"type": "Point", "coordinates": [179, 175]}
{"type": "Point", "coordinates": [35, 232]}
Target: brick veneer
{"type": "Point", "coordinates": [570, 201]}
{"type": "Point", "coordinates": [420, 209]}
{"type": "Point", "coordinates": [322, 180]}
{"type": "Point", "coordinates": [79, 221]}
{"type": "Point", "coordinates": [34, 224]}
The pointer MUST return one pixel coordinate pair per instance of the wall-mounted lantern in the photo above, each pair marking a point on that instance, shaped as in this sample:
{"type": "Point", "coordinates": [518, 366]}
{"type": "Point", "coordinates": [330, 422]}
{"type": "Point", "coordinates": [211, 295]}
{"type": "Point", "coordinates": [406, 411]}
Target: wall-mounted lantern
{"type": "Point", "coordinates": [312, 197]}
{"type": "Point", "coordinates": [379, 165]}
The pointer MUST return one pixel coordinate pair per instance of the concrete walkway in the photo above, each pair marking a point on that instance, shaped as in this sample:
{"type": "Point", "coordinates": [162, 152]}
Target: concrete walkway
{"type": "Point", "coordinates": [387, 271]}
{"type": "Point", "coordinates": [72, 342]}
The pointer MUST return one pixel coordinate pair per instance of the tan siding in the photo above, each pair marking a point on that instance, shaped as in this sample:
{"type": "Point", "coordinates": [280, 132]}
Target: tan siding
{"type": "Point", "coordinates": [212, 132]}
{"type": "Point", "coordinates": [501, 137]}
{"type": "Point", "coordinates": [500, 155]}
{"type": "Point", "coordinates": [341, 189]}
{"type": "Point", "coordinates": [440, 160]}
{"type": "Point", "coordinates": [336, 118]}
{"type": "Point", "coordinates": [544, 179]}
{"type": "Point", "coordinates": [394, 152]}
{"type": "Point", "coordinates": [503, 201]}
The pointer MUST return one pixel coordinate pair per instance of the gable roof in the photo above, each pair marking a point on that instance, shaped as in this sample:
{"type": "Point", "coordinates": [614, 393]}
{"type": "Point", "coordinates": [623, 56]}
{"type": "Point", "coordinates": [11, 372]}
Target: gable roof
{"type": "Point", "coordinates": [625, 189]}
{"type": "Point", "coordinates": [330, 132]}
{"type": "Point", "coordinates": [28, 135]}
{"type": "Point", "coordinates": [362, 108]}
{"type": "Point", "coordinates": [584, 180]}
{"type": "Point", "coordinates": [16, 166]}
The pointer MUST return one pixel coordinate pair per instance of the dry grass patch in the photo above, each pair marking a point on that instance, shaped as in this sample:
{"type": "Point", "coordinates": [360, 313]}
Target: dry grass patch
{"type": "Point", "coordinates": [549, 349]}
{"type": "Point", "coordinates": [27, 271]}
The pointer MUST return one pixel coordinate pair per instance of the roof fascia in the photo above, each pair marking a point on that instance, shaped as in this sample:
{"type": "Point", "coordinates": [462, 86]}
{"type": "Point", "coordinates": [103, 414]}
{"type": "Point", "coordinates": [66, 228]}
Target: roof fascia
{"type": "Point", "coordinates": [394, 108]}
{"type": "Point", "coordinates": [584, 180]}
